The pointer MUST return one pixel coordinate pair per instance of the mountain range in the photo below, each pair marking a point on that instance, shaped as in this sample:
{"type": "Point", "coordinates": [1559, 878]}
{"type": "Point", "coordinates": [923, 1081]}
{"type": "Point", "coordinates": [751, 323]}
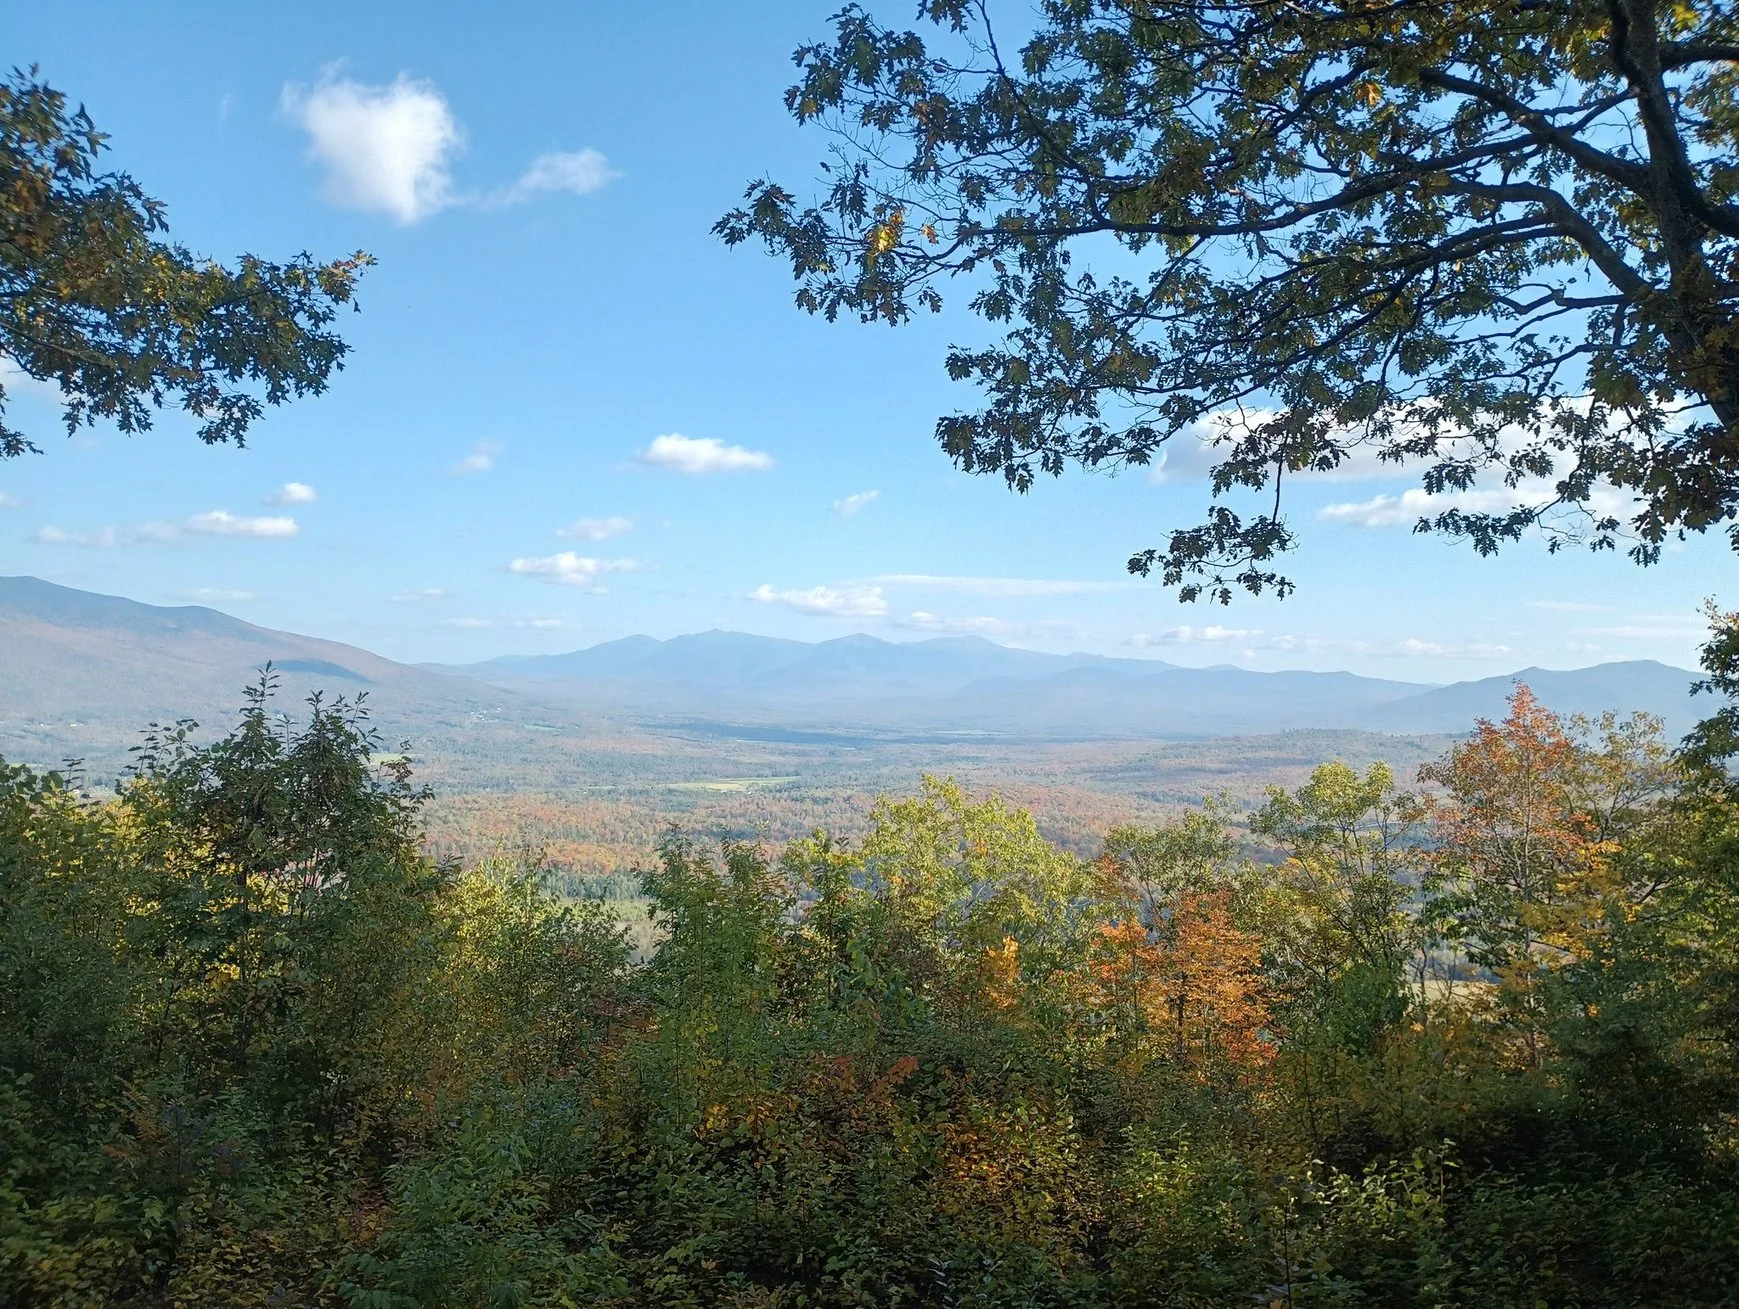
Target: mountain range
{"type": "Point", "coordinates": [969, 684]}
{"type": "Point", "coordinates": [80, 673]}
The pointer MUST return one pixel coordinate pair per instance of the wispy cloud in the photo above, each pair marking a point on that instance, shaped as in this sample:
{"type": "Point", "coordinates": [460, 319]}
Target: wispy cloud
{"type": "Point", "coordinates": [923, 621]}
{"type": "Point", "coordinates": [1254, 642]}
{"type": "Point", "coordinates": [570, 172]}
{"type": "Point", "coordinates": [418, 595]}
{"type": "Point", "coordinates": [101, 539]}
{"type": "Point", "coordinates": [853, 504]}
{"type": "Point", "coordinates": [1451, 650]}
{"type": "Point", "coordinates": [292, 493]}
{"type": "Point", "coordinates": [1567, 606]}
{"type": "Point", "coordinates": [1212, 633]}
{"type": "Point", "coordinates": [220, 522]}
{"type": "Point", "coordinates": [1651, 627]}
{"type": "Point", "coordinates": [215, 522]}
{"type": "Point", "coordinates": [218, 595]}
{"type": "Point", "coordinates": [697, 456]}
{"type": "Point", "coordinates": [468, 623]}
{"type": "Point", "coordinates": [1641, 632]}
{"type": "Point", "coordinates": [827, 601]}
{"type": "Point", "coordinates": [389, 149]}
{"type": "Point", "coordinates": [571, 569]}
{"type": "Point", "coordinates": [480, 460]}
{"type": "Point", "coordinates": [596, 529]}
{"type": "Point", "coordinates": [1413, 504]}
{"type": "Point", "coordinates": [997, 586]}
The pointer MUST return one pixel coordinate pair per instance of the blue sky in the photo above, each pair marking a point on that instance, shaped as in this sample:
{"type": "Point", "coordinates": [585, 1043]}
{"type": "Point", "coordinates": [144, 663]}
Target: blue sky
{"type": "Point", "coordinates": [571, 414]}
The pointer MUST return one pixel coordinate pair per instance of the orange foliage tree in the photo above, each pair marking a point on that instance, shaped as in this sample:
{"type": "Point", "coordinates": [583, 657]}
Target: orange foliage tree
{"type": "Point", "coordinates": [1525, 871]}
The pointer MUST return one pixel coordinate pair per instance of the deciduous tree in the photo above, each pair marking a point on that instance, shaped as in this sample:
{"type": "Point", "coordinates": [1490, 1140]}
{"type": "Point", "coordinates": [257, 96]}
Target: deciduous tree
{"type": "Point", "coordinates": [1493, 242]}
{"type": "Point", "coordinates": [94, 302]}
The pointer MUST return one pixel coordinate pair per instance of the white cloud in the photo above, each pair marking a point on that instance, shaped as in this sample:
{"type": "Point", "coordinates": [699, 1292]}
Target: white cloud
{"type": "Point", "coordinates": [385, 149]}
{"type": "Point", "coordinates": [1567, 606]}
{"type": "Point", "coordinates": [924, 621]}
{"type": "Point", "coordinates": [1191, 454]}
{"type": "Point", "coordinates": [573, 172]}
{"type": "Point", "coordinates": [570, 569]}
{"type": "Point", "coordinates": [596, 529]}
{"type": "Point", "coordinates": [1413, 504]}
{"type": "Point", "coordinates": [1186, 457]}
{"type": "Point", "coordinates": [1439, 650]}
{"type": "Point", "coordinates": [467, 622]}
{"type": "Point", "coordinates": [219, 595]}
{"type": "Point", "coordinates": [1253, 643]}
{"type": "Point", "coordinates": [10, 501]}
{"type": "Point", "coordinates": [220, 522]}
{"type": "Point", "coordinates": [853, 503]}
{"type": "Point", "coordinates": [698, 456]}
{"type": "Point", "coordinates": [1406, 509]}
{"type": "Point", "coordinates": [101, 539]}
{"type": "Point", "coordinates": [293, 493]}
{"type": "Point", "coordinates": [418, 595]}
{"type": "Point", "coordinates": [998, 586]}
{"type": "Point", "coordinates": [1187, 635]}
{"type": "Point", "coordinates": [216, 522]}
{"type": "Point", "coordinates": [389, 150]}
{"type": "Point", "coordinates": [827, 601]}
{"type": "Point", "coordinates": [480, 460]}
{"type": "Point", "coordinates": [542, 624]}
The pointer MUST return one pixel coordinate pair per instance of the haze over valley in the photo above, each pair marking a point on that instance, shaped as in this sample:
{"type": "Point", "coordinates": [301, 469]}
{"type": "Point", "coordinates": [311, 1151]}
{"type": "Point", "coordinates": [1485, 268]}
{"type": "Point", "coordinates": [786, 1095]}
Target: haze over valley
{"type": "Point", "coordinates": [590, 753]}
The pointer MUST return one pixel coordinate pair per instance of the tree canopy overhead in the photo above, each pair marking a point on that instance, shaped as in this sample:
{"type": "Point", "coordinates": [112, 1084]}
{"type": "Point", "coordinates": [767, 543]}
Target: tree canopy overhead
{"type": "Point", "coordinates": [92, 300]}
{"type": "Point", "coordinates": [1495, 243]}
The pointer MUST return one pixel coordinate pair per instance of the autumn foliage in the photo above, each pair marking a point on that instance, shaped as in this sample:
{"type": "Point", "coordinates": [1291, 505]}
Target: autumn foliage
{"type": "Point", "coordinates": [1468, 1044]}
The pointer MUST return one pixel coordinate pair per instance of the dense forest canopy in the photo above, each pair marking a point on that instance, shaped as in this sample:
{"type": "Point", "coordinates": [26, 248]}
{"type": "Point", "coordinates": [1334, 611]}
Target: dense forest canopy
{"type": "Point", "coordinates": [1470, 1043]}
{"type": "Point", "coordinates": [1491, 243]}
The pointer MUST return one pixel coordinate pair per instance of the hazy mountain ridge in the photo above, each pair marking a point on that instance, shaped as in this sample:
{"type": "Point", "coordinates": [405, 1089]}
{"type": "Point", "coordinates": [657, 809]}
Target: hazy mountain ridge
{"type": "Point", "coordinates": [970, 684]}
{"type": "Point", "coordinates": [736, 658]}
{"type": "Point", "coordinates": [83, 672]}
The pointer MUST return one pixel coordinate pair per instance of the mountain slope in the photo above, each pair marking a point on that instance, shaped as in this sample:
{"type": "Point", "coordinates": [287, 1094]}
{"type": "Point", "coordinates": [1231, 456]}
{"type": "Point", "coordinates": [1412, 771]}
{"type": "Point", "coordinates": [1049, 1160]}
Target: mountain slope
{"type": "Point", "coordinates": [1640, 684]}
{"type": "Point", "coordinates": [81, 673]}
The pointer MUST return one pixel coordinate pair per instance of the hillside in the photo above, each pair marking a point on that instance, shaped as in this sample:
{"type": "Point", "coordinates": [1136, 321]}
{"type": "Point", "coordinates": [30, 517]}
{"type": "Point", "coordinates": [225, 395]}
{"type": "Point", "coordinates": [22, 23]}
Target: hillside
{"type": "Point", "coordinates": [83, 673]}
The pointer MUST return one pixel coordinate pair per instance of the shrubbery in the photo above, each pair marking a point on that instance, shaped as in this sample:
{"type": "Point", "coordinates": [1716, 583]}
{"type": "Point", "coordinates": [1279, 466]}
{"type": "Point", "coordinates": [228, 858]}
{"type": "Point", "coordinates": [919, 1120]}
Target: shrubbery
{"type": "Point", "coordinates": [1469, 1047]}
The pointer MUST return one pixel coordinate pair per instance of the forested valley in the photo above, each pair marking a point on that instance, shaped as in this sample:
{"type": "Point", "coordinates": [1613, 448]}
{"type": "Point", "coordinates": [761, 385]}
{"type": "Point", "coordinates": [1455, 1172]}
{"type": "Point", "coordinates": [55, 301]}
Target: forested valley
{"type": "Point", "coordinates": [1470, 1041]}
